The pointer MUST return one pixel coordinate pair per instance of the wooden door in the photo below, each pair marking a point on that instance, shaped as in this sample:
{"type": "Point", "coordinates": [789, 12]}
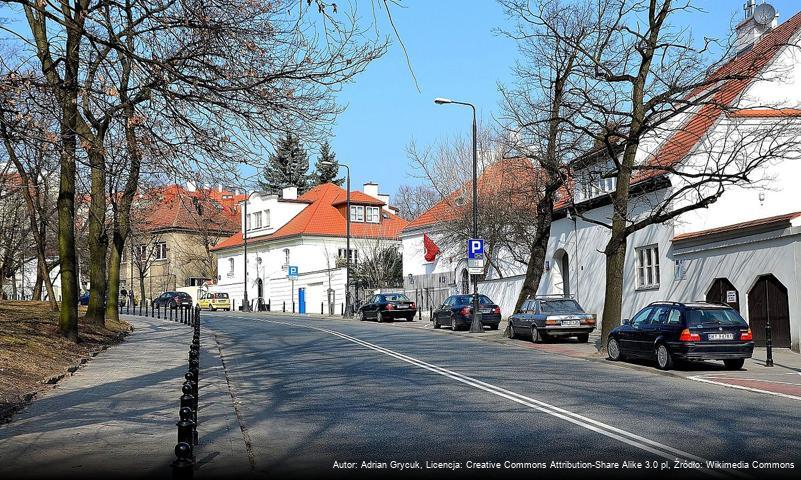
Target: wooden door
{"type": "Point", "coordinates": [722, 291]}
{"type": "Point", "coordinates": [768, 302]}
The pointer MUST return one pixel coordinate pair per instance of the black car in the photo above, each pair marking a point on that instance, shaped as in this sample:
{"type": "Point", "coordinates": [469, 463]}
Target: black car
{"type": "Point", "coordinates": [667, 331]}
{"type": "Point", "coordinates": [173, 300]}
{"type": "Point", "coordinates": [550, 316]}
{"type": "Point", "coordinates": [457, 312]}
{"type": "Point", "coordinates": [386, 306]}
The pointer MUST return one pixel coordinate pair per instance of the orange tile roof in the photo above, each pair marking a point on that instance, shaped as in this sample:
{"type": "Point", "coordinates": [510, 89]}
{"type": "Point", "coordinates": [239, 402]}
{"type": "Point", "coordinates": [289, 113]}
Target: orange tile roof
{"type": "Point", "coordinates": [176, 208]}
{"type": "Point", "coordinates": [766, 112]}
{"type": "Point", "coordinates": [776, 220]}
{"type": "Point", "coordinates": [507, 174]}
{"type": "Point", "coordinates": [322, 218]}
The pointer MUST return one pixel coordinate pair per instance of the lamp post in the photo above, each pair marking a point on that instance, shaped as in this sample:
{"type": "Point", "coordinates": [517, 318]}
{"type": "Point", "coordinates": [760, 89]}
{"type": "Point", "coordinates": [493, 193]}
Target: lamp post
{"type": "Point", "coordinates": [475, 326]}
{"type": "Point", "coordinates": [347, 312]}
{"type": "Point", "coordinates": [245, 302]}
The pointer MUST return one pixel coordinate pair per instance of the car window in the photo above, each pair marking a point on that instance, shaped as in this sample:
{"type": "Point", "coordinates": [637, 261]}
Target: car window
{"type": "Point", "coordinates": [660, 316]}
{"type": "Point", "coordinates": [560, 306]}
{"type": "Point", "coordinates": [697, 317]}
{"type": "Point", "coordinates": [675, 317]}
{"type": "Point", "coordinates": [397, 297]}
{"type": "Point", "coordinates": [468, 299]}
{"type": "Point", "coordinates": [222, 295]}
{"type": "Point", "coordinates": [642, 316]}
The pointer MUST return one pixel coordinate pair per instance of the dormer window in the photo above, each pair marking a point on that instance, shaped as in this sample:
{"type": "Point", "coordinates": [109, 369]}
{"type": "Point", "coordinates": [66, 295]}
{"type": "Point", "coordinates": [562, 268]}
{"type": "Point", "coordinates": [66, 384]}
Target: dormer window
{"type": "Point", "coordinates": [373, 215]}
{"type": "Point", "coordinates": [593, 184]}
{"type": "Point", "coordinates": [357, 213]}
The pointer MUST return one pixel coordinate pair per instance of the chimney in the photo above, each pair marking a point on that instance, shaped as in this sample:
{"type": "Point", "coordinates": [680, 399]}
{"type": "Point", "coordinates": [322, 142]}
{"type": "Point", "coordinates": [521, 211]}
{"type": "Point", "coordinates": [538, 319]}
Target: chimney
{"type": "Point", "coordinates": [371, 189]}
{"type": "Point", "coordinates": [190, 187]}
{"type": "Point", "coordinates": [289, 193]}
{"type": "Point", "coordinates": [759, 19]}
{"type": "Point", "coordinates": [219, 187]}
{"type": "Point", "coordinates": [385, 198]}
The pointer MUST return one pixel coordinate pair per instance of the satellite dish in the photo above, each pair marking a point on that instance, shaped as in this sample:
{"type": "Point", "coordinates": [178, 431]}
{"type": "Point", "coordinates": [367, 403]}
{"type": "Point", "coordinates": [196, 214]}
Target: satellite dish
{"type": "Point", "coordinates": [764, 14]}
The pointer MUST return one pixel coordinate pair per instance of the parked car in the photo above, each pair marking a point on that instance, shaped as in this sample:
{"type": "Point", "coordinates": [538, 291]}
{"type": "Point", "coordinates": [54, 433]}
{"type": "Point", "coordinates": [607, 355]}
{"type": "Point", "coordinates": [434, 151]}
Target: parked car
{"type": "Point", "coordinates": [667, 331]}
{"type": "Point", "coordinates": [214, 301]}
{"type": "Point", "coordinates": [546, 317]}
{"type": "Point", "coordinates": [173, 300]}
{"type": "Point", "coordinates": [387, 306]}
{"type": "Point", "coordinates": [457, 312]}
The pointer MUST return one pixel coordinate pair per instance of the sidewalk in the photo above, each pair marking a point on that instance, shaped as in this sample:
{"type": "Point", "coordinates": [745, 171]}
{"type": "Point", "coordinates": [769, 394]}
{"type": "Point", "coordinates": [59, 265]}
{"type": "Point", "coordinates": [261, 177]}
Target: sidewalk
{"type": "Point", "coordinates": [117, 414]}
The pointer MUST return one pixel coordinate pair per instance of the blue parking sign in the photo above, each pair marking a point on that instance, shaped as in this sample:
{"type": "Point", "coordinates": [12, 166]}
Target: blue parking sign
{"type": "Point", "coordinates": [292, 272]}
{"type": "Point", "coordinates": [475, 248]}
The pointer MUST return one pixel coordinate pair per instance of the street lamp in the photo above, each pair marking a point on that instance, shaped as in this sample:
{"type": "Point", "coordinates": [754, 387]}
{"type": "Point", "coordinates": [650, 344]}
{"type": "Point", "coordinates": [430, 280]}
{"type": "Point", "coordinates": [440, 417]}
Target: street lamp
{"type": "Point", "coordinates": [327, 163]}
{"type": "Point", "coordinates": [245, 302]}
{"type": "Point", "coordinates": [476, 326]}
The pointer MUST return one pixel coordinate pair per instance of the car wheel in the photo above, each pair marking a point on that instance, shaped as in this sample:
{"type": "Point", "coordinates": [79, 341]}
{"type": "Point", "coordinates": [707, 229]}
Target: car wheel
{"type": "Point", "coordinates": [454, 327]}
{"type": "Point", "coordinates": [363, 316]}
{"type": "Point", "coordinates": [512, 333]}
{"type": "Point", "coordinates": [663, 358]}
{"type": "Point", "coordinates": [535, 334]}
{"type": "Point", "coordinates": [410, 319]}
{"type": "Point", "coordinates": [583, 337]}
{"type": "Point", "coordinates": [379, 318]}
{"type": "Point", "coordinates": [613, 350]}
{"type": "Point", "coordinates": [734, 364]}
{"type": "Point", "coordinates": [435, 323]}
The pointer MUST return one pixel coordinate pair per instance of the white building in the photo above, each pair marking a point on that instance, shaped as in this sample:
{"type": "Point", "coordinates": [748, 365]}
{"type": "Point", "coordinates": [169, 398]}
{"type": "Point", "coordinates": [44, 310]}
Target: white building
{"type": "Point", "coordinates": [744, 249]}
{"type": "Point", "coordinates": [308, 232]}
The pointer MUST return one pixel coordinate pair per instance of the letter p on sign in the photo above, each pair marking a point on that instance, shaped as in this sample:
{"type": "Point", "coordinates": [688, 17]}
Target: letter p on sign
{"type": "Point", "coordinates": [475, 248]}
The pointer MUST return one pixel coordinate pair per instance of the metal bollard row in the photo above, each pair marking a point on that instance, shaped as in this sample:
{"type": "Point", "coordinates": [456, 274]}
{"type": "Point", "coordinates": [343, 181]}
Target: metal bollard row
{"type": "Point", "coordinates": [183, 466]}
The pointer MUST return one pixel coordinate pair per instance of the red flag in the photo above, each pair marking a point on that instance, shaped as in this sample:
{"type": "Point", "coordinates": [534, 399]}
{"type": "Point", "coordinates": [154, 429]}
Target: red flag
{"type": "Point", "coordinates": [432, 250]}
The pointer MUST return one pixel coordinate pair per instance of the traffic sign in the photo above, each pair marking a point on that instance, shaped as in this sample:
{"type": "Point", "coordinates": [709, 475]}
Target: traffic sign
{"type": "Point", "coordinates": [475, 248]}
{"type": "Point", "coordinates": [292, 272]}
{"type": "Point", "coordinates": [475, 270]}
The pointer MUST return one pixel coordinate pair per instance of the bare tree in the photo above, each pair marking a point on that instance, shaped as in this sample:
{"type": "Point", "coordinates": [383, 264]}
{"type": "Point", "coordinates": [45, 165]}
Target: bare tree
{"type": "Point", "coordinates": [644, 82]}
{"type": "Point", "coordinates": [413, 200]}
{"type": "Point", "coordinates": [548, 34]}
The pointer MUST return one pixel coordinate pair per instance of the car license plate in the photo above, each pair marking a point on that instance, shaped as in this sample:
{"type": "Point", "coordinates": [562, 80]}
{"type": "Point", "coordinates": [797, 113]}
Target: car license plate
{"type": "Point", "coordinates": [486, 310]}
{"type": "Point", "coordinates": [570, 323]}
{"type": "Point", "coordinates": [721, 336]}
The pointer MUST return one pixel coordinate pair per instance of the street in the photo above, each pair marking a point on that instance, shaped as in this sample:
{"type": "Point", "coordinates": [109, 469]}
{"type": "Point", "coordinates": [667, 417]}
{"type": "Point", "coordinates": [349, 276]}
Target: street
{"type": "Point", "coordinates": [313, 392]}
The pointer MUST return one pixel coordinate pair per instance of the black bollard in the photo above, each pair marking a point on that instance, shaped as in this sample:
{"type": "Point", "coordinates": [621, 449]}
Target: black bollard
{"type": "Point", "coordinates": [768, 344]}
{"type": "Point", "coordinates": [268, 304]}
{"type": "Point", "coordinates": [293, 306]}
{"type": "Point", "coordinates": [183, 450]}
{"type": "Point", "coordinates": [284, 308]}
{"type": "Point", "coordinates": [159, 311]}
{"type": "Point", "coordinates": [127, 307]}
{"type": "Point", "coordinates": [321, 308]}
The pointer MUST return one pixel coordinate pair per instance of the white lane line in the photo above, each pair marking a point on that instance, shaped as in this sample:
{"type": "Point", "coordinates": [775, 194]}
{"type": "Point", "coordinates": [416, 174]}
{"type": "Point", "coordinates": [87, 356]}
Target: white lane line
{"type": "Point", "coordinates": [740, 387]}
{"type": "Point", "coordinates": [624, 436]}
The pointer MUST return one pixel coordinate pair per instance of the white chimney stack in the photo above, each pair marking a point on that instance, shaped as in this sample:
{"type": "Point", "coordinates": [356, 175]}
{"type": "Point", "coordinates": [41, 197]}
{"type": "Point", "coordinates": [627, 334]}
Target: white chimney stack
{"type": "Point", "coordinates": [759, 19]}
{"type": "Point", "coordinates": [289, 193]}
{"type": "Point", "coordinates": [371, 189]}
{"type": "Point", "coordinates": [190, 187]}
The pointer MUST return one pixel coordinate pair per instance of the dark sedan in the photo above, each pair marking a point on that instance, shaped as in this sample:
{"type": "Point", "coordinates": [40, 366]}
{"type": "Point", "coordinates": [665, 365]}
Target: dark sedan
{"type": "Point", "coordinates": [173, 300]}
{"type": "Point", "coordinates": [388, 306]}
{"type": "Point", "coordinates": [546, 317]}
{"type": "Point", "coordinates": [457, 312]}
{"type": "Point", "coordinates": [666, 331]}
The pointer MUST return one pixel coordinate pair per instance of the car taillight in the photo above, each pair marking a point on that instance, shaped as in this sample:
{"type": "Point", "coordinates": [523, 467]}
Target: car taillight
{"type": "Point", "coordinates": [687, 336]}
{"type": "Point", "coordinates": [390, 306]}
{"type": "Point", "coordinates": [747, 336]}
{"type": "Point", "coordinates": [553, 322]}
{"type": "Point", "coordinates": [465, 311]}
{"type": "Point", "coordinates": [413, 305]}
{"type": "Point", "coordinates": [497, 310]}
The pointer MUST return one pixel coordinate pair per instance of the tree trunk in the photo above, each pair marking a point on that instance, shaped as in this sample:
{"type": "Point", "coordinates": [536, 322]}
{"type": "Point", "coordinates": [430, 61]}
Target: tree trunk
{"type": "Point", "coordinates": [613, 301]}
{"type": "Point", "coordinates": [37, 286]}
{"type": "Point", "coordinates": [98, 239]}
{"type": "Point", "coordinates": [142, 288]}
{"type": "Point", "coordinates": [538, 249]}
{"type": "Point", "coordinates": [112, 305]}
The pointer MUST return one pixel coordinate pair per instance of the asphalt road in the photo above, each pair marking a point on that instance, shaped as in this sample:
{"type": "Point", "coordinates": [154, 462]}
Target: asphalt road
{"type": "Point", "coordinates": [312, 392]}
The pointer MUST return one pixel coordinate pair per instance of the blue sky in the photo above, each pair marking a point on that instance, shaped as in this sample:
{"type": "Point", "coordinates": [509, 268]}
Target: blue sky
{"type": "Point", "coordinates": [455, 53]}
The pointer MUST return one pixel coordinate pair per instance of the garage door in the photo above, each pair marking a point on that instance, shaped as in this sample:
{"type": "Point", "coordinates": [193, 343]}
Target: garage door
{"type": "Point", "coordinates": [767, 302]}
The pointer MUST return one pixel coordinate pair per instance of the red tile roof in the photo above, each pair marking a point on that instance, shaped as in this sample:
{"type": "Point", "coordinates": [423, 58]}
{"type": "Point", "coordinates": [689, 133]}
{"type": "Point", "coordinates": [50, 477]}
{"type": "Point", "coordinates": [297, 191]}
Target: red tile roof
{"type": "Point", "coordinates": [747, 67]}
{"type": "Point", "coordinates": [322, 218]}
{"type": "Point", "coordinates": [508, 174]}
{"type": "Point", "coordinates": [762, 222]}
{"type": "Point", "coordinates": [176, 208]}
{"type": "Point", "coordinates": [766, 113]}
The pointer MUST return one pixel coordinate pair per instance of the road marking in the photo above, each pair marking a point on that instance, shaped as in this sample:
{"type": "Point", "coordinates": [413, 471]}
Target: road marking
{"type": "Point", "coordinates": [632, 439]}
{"type": "Point", "coordinates": [698, 378]}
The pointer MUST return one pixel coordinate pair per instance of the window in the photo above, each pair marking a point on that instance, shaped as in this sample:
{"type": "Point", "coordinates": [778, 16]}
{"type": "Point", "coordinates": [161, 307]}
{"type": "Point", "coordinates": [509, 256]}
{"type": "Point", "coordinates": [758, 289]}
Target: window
{"type": "Point", "coordinates": [140, 251]}
{"type": "Point", "coordinates": [593, 184]}
{"type": "Point", "coordinates": [661, 316]}
{"type": "Point", "coordinates": [247, 222]}
{"type": "Point", "coordinates": [357, 213]}
{"type": "Point", "coordinates": [230, 267]}
{"type": "Point", "coordinates": [648, 267]}
{"type": "Point", "coordinates": [354, 255]}
{"type": "Point", "coordinates": [257, 220]}
{"type": "Point", "coordinates": [641, 317]}
{"type": "Point", "coordinates": [373, 215]}
{"type": "Point", "coordinates": [286, 257]}
{"type": "Point", "coordinates": [161, 250]}
{"type": "Point", "coordinates": [266, 218]}
{"type": "Point", "coordinates": [196, 281]}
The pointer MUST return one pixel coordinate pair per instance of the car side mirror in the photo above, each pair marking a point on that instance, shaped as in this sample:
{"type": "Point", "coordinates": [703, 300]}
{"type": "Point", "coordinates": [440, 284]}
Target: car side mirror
{"type": "Point", "coordinates": [626, 321]}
